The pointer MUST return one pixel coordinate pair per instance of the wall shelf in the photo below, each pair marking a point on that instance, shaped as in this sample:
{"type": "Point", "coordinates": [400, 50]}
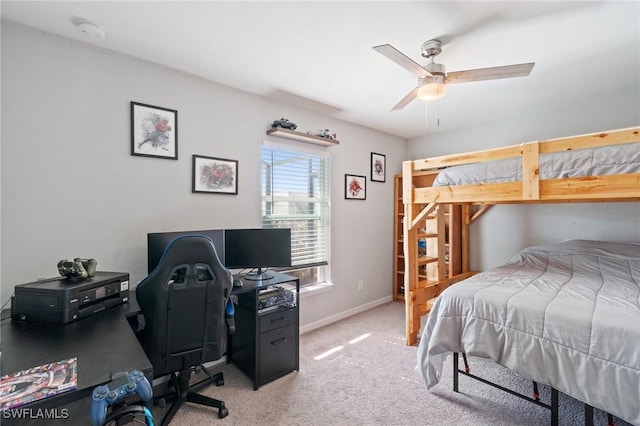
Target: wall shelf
{"type": "Point", "coordinates": [303, 137]}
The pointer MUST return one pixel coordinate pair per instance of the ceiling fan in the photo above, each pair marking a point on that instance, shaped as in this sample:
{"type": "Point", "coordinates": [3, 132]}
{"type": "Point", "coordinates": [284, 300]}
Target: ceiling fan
{"type": "Point", "coordinates": [433, 78]}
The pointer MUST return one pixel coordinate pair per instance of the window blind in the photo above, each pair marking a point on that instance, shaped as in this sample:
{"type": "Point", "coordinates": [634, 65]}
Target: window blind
{"type": "Point", "coordinates": [296, 194]}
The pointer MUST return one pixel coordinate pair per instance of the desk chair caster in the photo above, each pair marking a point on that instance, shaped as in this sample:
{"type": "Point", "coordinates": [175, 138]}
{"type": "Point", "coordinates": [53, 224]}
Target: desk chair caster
{"type": "Point", "coordinates": [223, 412]}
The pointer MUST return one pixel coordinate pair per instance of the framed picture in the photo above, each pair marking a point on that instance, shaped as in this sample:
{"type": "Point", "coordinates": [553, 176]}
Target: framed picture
{"type": "Point", "coordinates": [154, 131]}
{"type": "Point", "coordinates": [355, 187]}
{"type": "Point", "coordinates": [378, 167]}
{"type": "Point", "coordinates": [215, 175]}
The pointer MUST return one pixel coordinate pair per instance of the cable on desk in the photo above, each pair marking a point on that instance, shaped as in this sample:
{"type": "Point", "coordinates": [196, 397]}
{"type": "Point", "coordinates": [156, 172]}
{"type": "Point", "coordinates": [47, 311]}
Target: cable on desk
{"type": "Point", "coordinates": [5, 304]}
{"type": "Point", "coordinates": [8, 300]}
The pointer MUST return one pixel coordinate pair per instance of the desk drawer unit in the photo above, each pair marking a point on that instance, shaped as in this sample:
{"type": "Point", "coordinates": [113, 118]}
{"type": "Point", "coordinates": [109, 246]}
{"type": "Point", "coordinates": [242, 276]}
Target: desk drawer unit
{"type": "Point", "coordinates": [265, 345]}
{"type": "Point", "coordinates": [278, 350]}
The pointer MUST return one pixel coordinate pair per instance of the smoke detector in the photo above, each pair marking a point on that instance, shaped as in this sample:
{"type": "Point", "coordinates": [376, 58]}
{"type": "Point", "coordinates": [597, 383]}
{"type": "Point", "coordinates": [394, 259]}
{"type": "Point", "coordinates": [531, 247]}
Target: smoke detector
{"type": "Point", "coordinates": [89, 29]}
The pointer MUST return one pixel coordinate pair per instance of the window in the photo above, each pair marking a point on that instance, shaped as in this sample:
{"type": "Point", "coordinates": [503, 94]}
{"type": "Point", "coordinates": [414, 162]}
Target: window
{"type": "Point", "coordinates": [296, 194]}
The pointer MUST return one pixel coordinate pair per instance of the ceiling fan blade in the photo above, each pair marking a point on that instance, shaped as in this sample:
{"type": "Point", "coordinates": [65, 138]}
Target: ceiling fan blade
{"type": "Point", "coordinates": [401, 59]}
{"type": "Point", "coordinates": [405, 101]}
{"type": "Point", "coordinates": [494, 73]}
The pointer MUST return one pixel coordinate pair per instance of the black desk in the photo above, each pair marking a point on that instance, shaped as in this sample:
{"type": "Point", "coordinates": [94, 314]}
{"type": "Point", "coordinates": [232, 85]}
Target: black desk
{"type": "Point", "coordinates": [104, 343]}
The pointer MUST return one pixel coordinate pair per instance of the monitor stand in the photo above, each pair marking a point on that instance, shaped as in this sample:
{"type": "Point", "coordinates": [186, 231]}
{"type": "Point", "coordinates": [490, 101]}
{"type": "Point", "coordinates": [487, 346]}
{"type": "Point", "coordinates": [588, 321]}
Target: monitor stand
{"type": "Point", "coordinates": [260, 275]}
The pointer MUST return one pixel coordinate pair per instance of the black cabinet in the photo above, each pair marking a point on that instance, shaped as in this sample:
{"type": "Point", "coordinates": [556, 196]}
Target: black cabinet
{"type": "Point", "coordinates": [265, 345]}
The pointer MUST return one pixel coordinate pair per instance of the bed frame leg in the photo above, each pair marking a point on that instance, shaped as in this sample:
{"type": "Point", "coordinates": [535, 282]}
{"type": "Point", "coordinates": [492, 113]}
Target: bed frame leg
{"type": "Point", "coordinates": [455, 371]}
{"type": "Point", "coordinates": [554, 407]}
{"type": "Point", "coordinates": [554, 403]}
{"type": "Point", "coordinates": [588, 415]}
{"type": "Point", "coordinates": [466, 363]}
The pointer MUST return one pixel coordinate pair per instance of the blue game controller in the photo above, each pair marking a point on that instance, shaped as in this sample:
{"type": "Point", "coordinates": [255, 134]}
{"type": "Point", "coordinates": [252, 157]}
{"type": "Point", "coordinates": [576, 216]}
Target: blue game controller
{"type": "Point", "coordinates": [125, 384]}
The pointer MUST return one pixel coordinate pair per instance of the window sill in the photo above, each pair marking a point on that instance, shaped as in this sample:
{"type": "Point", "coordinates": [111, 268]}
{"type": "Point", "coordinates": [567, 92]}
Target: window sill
{"type": "Point", "coordinates": [313, 289]}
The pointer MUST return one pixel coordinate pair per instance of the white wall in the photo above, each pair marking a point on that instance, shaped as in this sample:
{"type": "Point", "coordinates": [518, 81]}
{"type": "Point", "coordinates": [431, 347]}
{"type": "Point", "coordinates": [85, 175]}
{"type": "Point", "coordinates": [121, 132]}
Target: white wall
{"type": "Point", "coordinates": [505, 229]}
{"type": "Point", "coordinates": [70, 187]}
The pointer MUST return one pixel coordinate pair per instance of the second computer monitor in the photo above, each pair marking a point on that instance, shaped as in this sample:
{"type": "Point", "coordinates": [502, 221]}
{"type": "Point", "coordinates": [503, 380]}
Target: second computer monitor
{"type": "Point", "coordinates": [257, 248]}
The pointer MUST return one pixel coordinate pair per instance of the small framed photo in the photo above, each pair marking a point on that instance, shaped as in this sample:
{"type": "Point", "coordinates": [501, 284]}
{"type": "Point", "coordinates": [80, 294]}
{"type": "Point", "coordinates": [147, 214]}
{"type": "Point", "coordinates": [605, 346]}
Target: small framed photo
{"type": "Point", "coordinates": [378, 167]}
{"type": "Point", "coordinates": [154, 131]}
{"type": "Point", "coordinates": [215, 175]}
{"type": "Point", "coordinates": [355, 187]}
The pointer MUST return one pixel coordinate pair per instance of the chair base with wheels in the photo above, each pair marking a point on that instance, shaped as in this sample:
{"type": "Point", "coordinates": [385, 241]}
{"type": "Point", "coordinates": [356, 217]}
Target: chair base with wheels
{"type": "Point", "coordinates": [183, 392]}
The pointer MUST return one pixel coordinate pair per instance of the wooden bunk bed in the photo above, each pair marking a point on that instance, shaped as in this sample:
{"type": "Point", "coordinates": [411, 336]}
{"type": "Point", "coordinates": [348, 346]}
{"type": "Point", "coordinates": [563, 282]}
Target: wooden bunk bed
{"type": "Point", "coordinates": [423, 203]}
{"type": "Point", "coordinates": [607, 169]}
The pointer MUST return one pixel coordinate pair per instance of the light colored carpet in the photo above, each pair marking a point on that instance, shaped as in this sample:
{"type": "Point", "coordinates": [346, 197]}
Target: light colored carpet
{"type": "Point", "coordinates": [370, 379]}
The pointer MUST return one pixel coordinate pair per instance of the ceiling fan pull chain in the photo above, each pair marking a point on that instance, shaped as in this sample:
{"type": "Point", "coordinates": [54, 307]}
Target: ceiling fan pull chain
{"type": "Point", "coordinates": [426, 115]}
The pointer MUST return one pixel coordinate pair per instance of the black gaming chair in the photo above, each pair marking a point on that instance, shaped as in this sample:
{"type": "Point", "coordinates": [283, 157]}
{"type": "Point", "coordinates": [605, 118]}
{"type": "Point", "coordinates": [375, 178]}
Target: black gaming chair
{"type": "Point", "coordinates": [183, 302]}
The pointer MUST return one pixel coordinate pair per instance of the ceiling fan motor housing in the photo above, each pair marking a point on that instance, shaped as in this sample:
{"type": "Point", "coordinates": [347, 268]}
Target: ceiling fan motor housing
{"type": "Point", "coordinates": [431, 48]}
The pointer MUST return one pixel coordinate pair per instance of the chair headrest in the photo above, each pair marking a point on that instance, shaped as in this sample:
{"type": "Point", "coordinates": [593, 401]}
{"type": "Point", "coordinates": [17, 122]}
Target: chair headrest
{"type": "Point", "coordinates": [189, 249]}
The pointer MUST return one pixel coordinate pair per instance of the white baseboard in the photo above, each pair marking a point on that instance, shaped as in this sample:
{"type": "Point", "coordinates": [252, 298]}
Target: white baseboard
{"type": "Point", "coordinates": [342, 315]}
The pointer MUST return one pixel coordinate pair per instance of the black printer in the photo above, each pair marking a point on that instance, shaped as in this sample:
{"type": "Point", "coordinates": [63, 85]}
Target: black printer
{"type": "Point", "coordinates": [59, 300]}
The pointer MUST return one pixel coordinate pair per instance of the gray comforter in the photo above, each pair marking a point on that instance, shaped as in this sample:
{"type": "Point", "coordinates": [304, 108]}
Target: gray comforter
{"type": "Point", "coordinates": [566, 315]}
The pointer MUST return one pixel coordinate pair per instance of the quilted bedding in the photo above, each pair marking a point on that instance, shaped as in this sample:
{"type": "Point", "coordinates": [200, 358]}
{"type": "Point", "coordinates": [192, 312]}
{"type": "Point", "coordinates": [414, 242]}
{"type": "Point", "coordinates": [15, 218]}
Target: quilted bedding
{"type": "Point", "coordinates": [609, 160]}
{"type": "Point", "coordinates": [566, 315]}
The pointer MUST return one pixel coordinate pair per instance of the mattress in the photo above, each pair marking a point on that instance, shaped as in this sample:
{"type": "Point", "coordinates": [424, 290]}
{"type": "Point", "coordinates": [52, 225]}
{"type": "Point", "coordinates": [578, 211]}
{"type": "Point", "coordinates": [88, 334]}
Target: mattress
{"type": "Point", "coordinates": [609, 160]}
{"type": "Point", "coordinates": [566, 315]}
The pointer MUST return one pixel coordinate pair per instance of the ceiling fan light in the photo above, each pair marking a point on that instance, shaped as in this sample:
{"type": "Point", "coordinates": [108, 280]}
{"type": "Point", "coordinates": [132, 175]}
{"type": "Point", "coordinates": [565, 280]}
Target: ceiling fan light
{"type": "Point", "coordinates": [432, 91]}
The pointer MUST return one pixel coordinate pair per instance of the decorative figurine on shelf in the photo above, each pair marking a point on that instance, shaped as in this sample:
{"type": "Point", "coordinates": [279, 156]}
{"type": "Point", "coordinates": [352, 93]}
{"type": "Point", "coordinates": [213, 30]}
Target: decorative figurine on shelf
{"type": "Point", "coordinates": [284, 124]}
{"type": "Point", "coordinates": [325, 134]}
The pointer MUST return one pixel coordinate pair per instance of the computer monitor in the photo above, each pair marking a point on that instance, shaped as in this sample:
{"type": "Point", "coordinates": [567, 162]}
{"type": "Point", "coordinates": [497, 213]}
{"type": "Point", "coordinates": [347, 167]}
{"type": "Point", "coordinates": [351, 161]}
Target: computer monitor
{"type": "Point", "coordinates": [157, 243]}
{"type": "Point", "coordinates": [259, 249]}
